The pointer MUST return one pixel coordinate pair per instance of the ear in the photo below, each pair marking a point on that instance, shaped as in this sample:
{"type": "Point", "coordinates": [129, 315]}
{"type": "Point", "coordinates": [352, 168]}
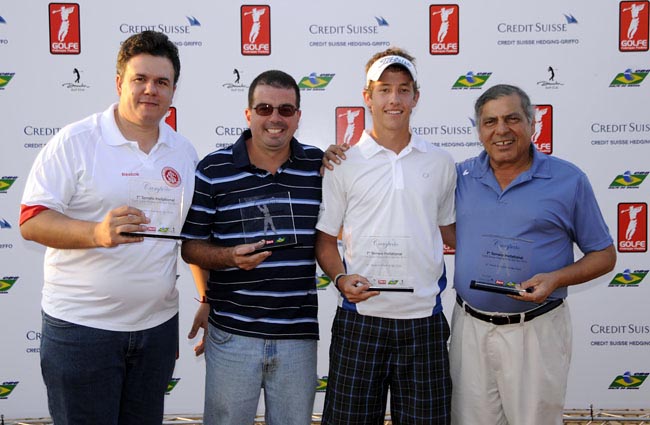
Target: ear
{"type": "Point", "coordinates": [247, 113]}
{"type": "Point", "coordinates": [367, 97]}
{"type": "Point", "coordinates": [118, 84]}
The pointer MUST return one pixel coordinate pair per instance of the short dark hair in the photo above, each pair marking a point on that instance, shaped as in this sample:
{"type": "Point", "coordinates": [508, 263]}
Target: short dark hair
{"type": "Point", "coordinates": [153, 43]}
{"type": "Point", "coordinates": [277, 79]}
{"type": "Point", "coordinates": [501, 90]}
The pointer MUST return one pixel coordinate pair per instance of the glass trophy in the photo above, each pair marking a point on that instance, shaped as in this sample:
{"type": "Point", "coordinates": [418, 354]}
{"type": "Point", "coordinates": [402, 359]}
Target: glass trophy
{"type": "Point", "coordinates": [504, 264]}
{"type": "Point", "coordinates": [269, 218]}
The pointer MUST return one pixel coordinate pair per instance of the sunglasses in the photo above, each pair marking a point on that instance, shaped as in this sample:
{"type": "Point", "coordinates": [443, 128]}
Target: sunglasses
{"type": "Point", "coordinates": [264, 110]}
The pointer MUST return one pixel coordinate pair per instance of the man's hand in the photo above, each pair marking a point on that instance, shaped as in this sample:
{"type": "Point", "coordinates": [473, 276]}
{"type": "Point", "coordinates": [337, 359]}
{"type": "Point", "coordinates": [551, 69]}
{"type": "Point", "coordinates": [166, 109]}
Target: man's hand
{"type": "Point", "coordinates": [355, 288]}
{"type": "Point", "coordinates": [107, 233]}
{"type": "Point", "coordinates": [542, 285]}
{"type": "Point", "coordinates": [334, 153]}
{"type": "Point", "coordinates": [242, 255]}
{"type": "Point", "coordinates": [200, 321]}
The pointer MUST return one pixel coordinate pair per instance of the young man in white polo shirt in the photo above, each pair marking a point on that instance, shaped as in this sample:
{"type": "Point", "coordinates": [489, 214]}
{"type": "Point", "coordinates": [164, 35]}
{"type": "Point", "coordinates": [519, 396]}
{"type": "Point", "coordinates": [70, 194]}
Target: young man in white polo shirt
{"type": "Point", "coordinates": [393, 196]}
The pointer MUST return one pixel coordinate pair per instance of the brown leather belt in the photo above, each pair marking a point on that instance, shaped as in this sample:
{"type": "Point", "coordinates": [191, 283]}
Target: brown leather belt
{"type": "Point", "coordinates": [508, 319]}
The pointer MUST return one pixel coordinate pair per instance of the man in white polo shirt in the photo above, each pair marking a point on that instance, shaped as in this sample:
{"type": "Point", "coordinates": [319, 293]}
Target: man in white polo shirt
{"type": "Point", "coordinates": [110, 304]}
{"type": "Point", "coordinates": [393, 196]}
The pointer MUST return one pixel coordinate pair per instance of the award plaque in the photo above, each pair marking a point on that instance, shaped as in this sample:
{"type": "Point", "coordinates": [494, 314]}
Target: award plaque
{"type": "Point", "coordinates": [386, 260]}
{"type": "Point", "coordinates": [269, 218]}
{"type": "Point", "coordinates": [504, 263]}
{"type": "Point", "coordinates": [162, 204]}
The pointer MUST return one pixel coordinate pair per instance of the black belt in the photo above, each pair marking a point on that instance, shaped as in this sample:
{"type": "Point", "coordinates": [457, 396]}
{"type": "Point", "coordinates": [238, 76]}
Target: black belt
{"type": "Point", "coordinates": [509, 319]}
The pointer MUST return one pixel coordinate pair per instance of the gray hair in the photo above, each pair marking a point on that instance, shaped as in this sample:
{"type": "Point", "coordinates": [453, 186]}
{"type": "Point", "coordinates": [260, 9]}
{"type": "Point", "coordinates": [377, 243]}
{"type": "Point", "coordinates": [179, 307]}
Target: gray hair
{"type": "Point", "coordinates": [501, 90]}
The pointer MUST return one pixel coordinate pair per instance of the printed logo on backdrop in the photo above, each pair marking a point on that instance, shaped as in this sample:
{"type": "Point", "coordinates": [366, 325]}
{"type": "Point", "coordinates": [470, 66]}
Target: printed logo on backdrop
{"type": "Point", "coordinates": [559, 31]}
{"type": "Point", "coordinates": [6, 283]}
{"type": "Point", "coordinates": [3, 41]}
{"type": "Point", "coordinates": [5, 77]}
{"type": "Point", "coordinates": [4, 224]}
{"type": "Point", "coordinates": [236, 85]}
{"type": "Point", "coordinates": [179, 28]}
{"type": "Point", "coordinates": [348, 34]}
{"type": "Point", "coordinates": [350, 122]}
{"type": "Point", "coordinates": [633, 26]}
{"type": "Point", "coordinates": [42, 132]}
{"type": "Point", "coordinates": [633, 227]}
{"type": "Point", "coordinates": [471, 80]}
{"type": "Point", "coordinates": [33, 338]}
{"type": "Point", "coordinates": [451, 131]}
{"type": "Point", "coordinates": [444, 30]}
{"type": "Point", "coordinates": [6, 388]}
{"type": "Point", "coordinates": [551, 81]}
{"type": "Point", "coordinates": [629, 381]}
{"type": "Point", "coordinates": [321, 384]}
{"type": "Point", "coordinates": [76, 84]}
{"type": "Point", "coordinates": [628, 278]}
{"type": "Point", "coordinates": [255, 30]}
{"type": "Point", "coordinates": [171, 385]}
{"type": "Point", "coordinates": [6, 182]}
{"type": "Point", "coordinates": [65, 33]}
{"type": "Point", "coordinates": [170, 117]}
{"type": "Point", "coordinates": [542, 136]}
{"type": "Point", "coordinates": [322, 281]}
{"type": "Point", "coordinates": [629, 180]}
{"type": "Point", "coordinates": [315, 82]}
{"type": "Point", "coordinates": [629, 78]}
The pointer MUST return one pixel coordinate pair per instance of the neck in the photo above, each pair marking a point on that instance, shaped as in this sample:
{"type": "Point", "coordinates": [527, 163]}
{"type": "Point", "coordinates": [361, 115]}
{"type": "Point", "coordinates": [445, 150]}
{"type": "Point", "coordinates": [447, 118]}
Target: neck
{"type": "Point", "coordinates": [268, 160]}
{"type": "Point", "coordinates": [505, 174]}
{"type": "Point", "coordinates": [146, 137]}
{"type": "Point", "coordinates": [394, 140]}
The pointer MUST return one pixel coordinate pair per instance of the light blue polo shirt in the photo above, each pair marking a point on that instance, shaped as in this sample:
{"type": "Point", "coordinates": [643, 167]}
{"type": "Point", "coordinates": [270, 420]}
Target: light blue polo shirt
{"type": "Point", "coordinates": [528, 228]}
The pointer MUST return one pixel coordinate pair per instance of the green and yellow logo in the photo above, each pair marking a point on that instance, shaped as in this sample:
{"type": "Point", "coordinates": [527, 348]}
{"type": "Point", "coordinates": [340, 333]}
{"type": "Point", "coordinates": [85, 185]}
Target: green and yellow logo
{"type": "Point", "coordinates": [5, 77]}
{"type": "Point", "coordinates": [321, 384]}
{"type": "Point", "coordinates": [322, 281]}
{"type": "Point", "coordinates": [629, 180]}
{"type": "Point", "coordinates": [6, 283]}
{"type": "Point", "coordinates": [471, 80]}
{"type": "Point", "coordinates": [6, 388]}
{"type": "Point", "coordinates": [629, 278]}
{"type": "Point", "coordinates": [628, 78]}
{"type": "Point", "coordinates": [6, 182]}
{"type": "Point", "coordinates": [171, 385]}
{"type": "Point", "coordinates": [315, 82]}
{"type": "Point", "coordinates": [628, 381]}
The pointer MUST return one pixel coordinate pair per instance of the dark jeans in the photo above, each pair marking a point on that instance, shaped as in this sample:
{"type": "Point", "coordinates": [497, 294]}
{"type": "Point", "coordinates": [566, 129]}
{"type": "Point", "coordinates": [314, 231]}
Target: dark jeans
{"type": "Point", "coordinates": [100, 377]}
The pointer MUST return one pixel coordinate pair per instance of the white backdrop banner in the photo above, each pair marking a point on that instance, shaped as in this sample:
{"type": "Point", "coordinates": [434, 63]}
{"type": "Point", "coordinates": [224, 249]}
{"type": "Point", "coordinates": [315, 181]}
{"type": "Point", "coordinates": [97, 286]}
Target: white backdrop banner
{"type": "Point", "coordinates": [584, 64]}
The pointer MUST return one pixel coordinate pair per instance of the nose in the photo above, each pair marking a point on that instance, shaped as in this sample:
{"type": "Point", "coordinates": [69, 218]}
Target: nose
{"type": "Point", "coordinates": [150, 87]}
{"type": "Point", "coordinates": [502, 127]}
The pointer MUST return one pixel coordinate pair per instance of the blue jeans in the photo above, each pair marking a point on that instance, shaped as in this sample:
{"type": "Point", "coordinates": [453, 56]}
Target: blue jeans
{"type": "Point", "coordinates": [100, 377]}
{"type": "Point", "coordinates": [237, 367]}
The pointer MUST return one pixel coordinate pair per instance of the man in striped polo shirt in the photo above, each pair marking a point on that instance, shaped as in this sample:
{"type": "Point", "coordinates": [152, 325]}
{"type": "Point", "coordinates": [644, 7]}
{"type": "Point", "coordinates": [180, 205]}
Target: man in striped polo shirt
{"type": "Point", "coordinates": [259, 304]}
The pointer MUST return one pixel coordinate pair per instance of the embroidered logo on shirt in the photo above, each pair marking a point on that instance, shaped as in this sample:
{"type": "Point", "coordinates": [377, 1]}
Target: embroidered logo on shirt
{"type": "Point", "coordinates": [171, 177]}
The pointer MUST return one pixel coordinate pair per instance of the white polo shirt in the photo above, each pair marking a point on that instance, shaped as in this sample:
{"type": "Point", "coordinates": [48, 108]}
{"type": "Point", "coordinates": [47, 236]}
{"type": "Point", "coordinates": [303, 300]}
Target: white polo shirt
{"type": "Point", "coordinates": [84, 172]}
{"type": "Point", "coordinates": [377, 194]}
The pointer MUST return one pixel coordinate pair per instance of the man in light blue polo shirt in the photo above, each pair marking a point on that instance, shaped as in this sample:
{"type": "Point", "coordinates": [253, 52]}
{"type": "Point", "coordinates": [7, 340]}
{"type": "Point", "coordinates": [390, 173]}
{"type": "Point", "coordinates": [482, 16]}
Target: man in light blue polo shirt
{"type": "Point", "coordinates": [518, 214]}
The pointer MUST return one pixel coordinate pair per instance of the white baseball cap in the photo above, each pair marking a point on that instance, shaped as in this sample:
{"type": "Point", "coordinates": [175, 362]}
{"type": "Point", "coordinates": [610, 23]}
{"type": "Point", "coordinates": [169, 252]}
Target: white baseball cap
{"type": "Point", "coordinates": [377, 68]}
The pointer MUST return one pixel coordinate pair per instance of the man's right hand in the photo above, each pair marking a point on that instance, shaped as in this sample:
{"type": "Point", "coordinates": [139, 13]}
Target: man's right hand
{"type": "Point", "coordinates": [108, 233]}
{"type": "Point", "coordinates": [354, 288]}
{"type": "Point", "coordinates": [243, 256]}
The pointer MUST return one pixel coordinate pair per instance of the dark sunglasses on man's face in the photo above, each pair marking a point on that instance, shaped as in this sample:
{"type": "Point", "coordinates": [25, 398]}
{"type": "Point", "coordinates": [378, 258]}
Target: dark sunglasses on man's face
{"type": "Point", "coordinates": [264, 110]}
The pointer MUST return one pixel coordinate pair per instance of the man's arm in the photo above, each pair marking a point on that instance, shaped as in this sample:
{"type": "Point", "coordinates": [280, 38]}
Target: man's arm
{"type": "Point", "coordinates": [214, 257]}
{"type": "Point", "coordinates": [202, 313]}
{"type": "Point", "coordinates": [591, 266]}
{"type": "Point", "coordinates": [449, 235]}
{"type": "Point", "coordinates": [56, 230]}
{"type": "Point", "coordinates": [327, 254]}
